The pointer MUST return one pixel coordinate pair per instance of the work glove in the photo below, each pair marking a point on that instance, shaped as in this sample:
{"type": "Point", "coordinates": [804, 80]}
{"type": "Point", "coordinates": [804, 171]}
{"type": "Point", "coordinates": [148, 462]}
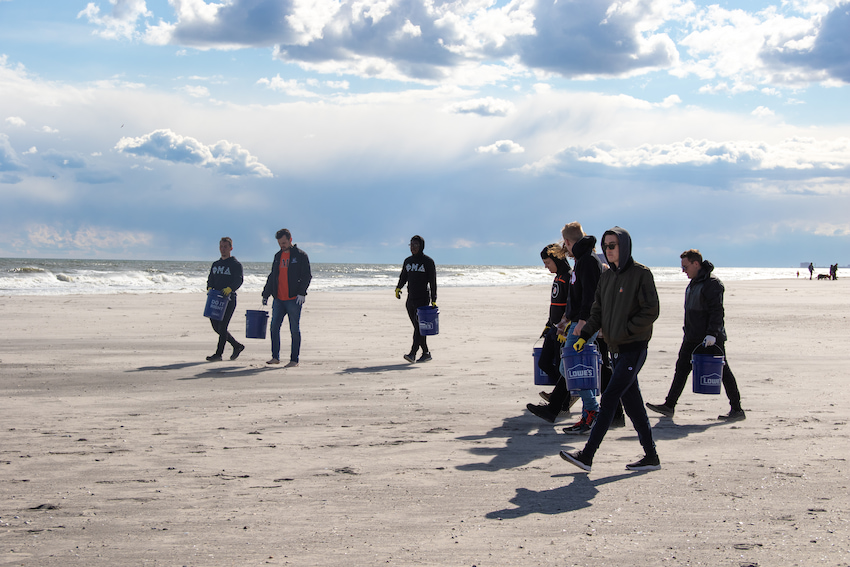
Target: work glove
{"type": "Point", "coordinates": [300, 299]}
{"type": "Point", "coordinates": [579, 345]}
{"type": "Point", "coordinates": [545, 331]}
{"type": "Point", "coordinates": [433, 304]}
{"type": "Point", "coordinates": [709, 341]}
{"type": "Point", "coordinates": [265, 301]}
{"type": "Point", "coordinates": [561, 338]}
{"type": "Point", "coordinates": [398, 293]}
{"type": "Point", "coordinates": [226, 291]}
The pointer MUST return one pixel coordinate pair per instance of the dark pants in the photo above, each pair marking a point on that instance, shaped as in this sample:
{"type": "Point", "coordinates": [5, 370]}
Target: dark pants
{"type": "Point", "coordinates": [220, 327]}
{"type": "Point", "coordinates": [418, 339]}
{"type": "Point", "coordinates": [683, 369]}
{"type": "Point", "coordinates": [550, 357]}
{"type": "Point", "coordinates": [623, 386]}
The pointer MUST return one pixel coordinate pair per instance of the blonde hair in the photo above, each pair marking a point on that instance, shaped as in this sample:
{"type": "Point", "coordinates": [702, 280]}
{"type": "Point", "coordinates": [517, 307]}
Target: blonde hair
{"type": "Point", "coordinates": [572, 231]}
{"type": "Point", "coordinates": [556, 251]}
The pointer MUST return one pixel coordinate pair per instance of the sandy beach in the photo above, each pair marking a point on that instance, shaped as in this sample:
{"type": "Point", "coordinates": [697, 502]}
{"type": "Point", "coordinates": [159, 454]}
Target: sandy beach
{"type": "Point", "coordinates": [122, 446]}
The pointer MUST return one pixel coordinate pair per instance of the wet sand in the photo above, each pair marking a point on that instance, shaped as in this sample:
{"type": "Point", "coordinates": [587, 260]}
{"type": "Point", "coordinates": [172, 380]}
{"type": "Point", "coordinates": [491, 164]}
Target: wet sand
{"type": "Point", "coordinates": [121, 445]}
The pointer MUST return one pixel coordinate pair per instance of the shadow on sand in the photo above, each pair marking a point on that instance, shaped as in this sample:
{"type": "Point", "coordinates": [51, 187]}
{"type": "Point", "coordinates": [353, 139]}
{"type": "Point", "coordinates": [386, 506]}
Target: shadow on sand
{"type": "Point", "coordinates": [230, 372]}
{"type": "Point", "coordinates": [376, 369]}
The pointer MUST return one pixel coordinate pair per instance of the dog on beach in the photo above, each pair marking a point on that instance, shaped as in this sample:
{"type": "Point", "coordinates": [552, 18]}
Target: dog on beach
{"type": "Point", "coordinates": [823, 276]}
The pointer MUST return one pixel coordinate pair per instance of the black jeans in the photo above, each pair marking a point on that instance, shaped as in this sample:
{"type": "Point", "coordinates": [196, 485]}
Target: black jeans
{"type": "Point", "coordinates": [550, 357]}
{"type": "Point", "coordinates": [220, 327]}
{"type": "Point", "coordinates": [418, 339]}
{"type": "Point", "coordinates": [683, 369]}
{"type": "Point", "coordinates": [623, 386]}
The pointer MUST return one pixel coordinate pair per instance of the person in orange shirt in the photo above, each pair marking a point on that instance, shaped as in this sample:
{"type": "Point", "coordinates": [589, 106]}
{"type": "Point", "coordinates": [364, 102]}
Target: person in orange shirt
{"type": "Point", "coordinates": [287, 284]}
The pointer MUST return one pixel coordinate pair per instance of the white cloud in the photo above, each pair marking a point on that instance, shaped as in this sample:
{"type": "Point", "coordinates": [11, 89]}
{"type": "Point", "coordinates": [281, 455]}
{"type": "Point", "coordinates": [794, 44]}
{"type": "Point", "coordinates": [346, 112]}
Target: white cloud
{"type": "Point", "coordinates": [49, 130]}
{"type": "Point", "coordinates": [488, 106]}
{"type": "Point", "coordinates": [86, 238]}
{"type": "Point", "coordinates": [196, 91]}
{"type": "Point", "coordinates": [8, 158]}
{"type": "Point", "coordinates": [121, 24]}
{"type": "Point", "coordinates": [290, 87]}
{"type": "Point", "coordinates": [501, 147]}
{"type": "Point", "coordinates": [32, 150]}
{"type": "Point", "coordinates": [223, 157]}
{"type": "Point", "coordinates": [15, 121]}
{"type": "Point", "coordinates": [763, 112]}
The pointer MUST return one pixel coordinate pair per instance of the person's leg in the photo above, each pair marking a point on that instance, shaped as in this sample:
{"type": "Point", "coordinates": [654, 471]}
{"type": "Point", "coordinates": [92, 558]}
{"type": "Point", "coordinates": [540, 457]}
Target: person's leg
{"type": "Point", "coordinates": [626, 367]}
{"type": "Point", "coordinates": [414, 319]}
{"type": "Point", "coordinates": [293, 311]}
{"type": "Point", "coordinates": [680, 374]}
{"type": "Point", "coordinates": [549, 353]}
{"type": "Point", "coordinates": [729, 383]}
{"type": "Point", "coordinates": [223, 334]}
{"type": "Point", "coordinates": [607, 370]}
{"type": "Point", "coordinates": [634, 408]}
{"type": "Point", "coordinates": [278, 313]}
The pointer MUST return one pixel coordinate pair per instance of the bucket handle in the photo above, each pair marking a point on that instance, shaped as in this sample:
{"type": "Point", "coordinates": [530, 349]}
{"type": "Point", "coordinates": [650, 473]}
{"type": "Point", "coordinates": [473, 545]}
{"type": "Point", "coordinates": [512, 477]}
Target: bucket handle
{"type": "Point", "coordinates": [715, 345]}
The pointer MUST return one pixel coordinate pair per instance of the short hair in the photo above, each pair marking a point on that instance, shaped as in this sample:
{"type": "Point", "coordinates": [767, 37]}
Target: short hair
{"type": "Point", "coordinates": [227, 239]}
{"type": "Point", "coordinates": [283, 232]}
{"type": "Point", "coordinates": [572, 231]}
{"type": "Point", "coordinates": [692, 255]}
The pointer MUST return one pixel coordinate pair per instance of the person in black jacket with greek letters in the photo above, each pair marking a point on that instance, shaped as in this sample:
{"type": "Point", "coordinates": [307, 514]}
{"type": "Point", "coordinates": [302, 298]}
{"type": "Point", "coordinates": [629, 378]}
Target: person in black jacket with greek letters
{"type": "Point", "coordinates": [420, 275]}
{"type": "Point", "coordinates": [226, 277]}
{"type": "Point", "coordinates": [703, 327]}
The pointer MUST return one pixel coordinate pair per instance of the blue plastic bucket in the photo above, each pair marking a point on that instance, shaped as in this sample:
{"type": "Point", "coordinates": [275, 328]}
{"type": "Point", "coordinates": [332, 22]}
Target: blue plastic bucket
{"type": "Point", "coordinates": [540, 377]}
{"type": "Point", "coordinates": [256, 322]}
{"type": "Point", "coordinates": [429, 320]}
{"type": "Point", "coordinates": [216, 305]}
{"type": "Point", "coordinates": [708, 373]}
{"type": "Point", "coordinates": [582, 369]}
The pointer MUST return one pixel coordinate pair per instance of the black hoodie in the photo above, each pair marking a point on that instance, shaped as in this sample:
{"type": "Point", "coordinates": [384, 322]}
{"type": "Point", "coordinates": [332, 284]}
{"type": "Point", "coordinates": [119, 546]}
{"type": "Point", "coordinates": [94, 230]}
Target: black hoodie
{"type": "Point", "coordinates": [419, 273]}
{"type": "Point", "coordinates": [584, 280]}
{"type": "Point", "coordinates": [704, 306]}
{"type": "Point", "coordinates": [626, 302]}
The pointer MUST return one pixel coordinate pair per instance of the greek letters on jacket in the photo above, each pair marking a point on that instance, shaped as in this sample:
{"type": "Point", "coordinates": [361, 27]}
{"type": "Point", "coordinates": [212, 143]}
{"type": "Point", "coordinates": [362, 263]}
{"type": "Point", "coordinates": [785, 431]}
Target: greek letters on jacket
{"type": "Point", "coordinates": [420, 274]}
{"type": "Point", "coordinates": [225, 273]}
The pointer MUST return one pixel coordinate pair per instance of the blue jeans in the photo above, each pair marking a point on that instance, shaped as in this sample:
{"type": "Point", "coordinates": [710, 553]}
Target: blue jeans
{"type": "Point", "coordinates": [588, 400]}
{"type": "Point", "coordinates": [281, 309]}
{"type": "Point", "coordinates": [623, 386]}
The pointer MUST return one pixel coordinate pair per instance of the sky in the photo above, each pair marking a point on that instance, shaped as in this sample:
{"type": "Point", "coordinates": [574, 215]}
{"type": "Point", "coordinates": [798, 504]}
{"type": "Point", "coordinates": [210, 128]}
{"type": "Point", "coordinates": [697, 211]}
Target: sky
{"type": "Point", "coordinates": [149, 129]}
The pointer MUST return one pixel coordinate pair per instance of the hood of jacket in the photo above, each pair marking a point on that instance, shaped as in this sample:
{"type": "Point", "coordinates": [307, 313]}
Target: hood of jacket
{"type": "Point", "coordinates": [705, 270]}
{"type": "Point", "coordinates": [624, 243]}
{"type": "Point", "coordinates": [584, 246]}
{"type": "Point", "coordinates": [421, 243]}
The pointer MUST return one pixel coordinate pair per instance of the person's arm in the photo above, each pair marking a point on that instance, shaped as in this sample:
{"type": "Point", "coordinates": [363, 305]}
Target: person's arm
{"type": "Point", "coordinates": [712, 295]}
{"type": "Point", "coordinates": [432, 280]}
{"type": "Point", "coordinates": [648, 305]}
{"type": "Point", "coordinates": [237, 277]}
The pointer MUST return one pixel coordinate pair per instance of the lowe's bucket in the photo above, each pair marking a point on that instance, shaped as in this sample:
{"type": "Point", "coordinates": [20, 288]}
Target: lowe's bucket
{"type": "Point", "coordinates": [708, 372]}
{"type": "Point", "coordinates": [216, 305]}
{"type": "Point", "coordinates": [583, 369]}
{"type": "Point", "coordinates": [256, 322]}
{"type": "Point", "coordinates": [429, 320]}
{"type": "Point", "coordinates": [540, 377]}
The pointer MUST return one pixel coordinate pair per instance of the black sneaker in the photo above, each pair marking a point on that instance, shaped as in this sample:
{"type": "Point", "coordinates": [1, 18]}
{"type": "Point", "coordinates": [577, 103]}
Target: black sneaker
{"type": "Point", "coordinates": [584, 426]}
{"type": "Point", "coordinates": [543, 412]}
{"type": "Point", "coordinates": [545, 396]}
{"type": "Point", "coordinates": [662, 409]}
{"type": "Point", "coordinates": [237, 350]}
{"type": "Point", "coordinates": [426, 356]}
{"type": "Point", "coordinates": [733, 415]}
{"type": "Point", "coordinates": [578, 459]}
{"type": "Point", "coordinates": [411, 358]}
{"type": "Point", "coordinates": [645, 464]}
{"type": "Point", "coordinates": [214, 357]}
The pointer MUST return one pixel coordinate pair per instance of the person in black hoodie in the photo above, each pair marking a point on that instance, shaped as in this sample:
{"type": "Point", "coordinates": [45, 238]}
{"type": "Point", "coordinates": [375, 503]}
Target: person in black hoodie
{"type": "Point", "coordinates": [624, 308]}
{"type": "Point", "coordinates": [554, 259]}
{"type": "Point", "coordinates": [703, 327]}
{"type": "Point", "coordinates": [287, 284]}
{"type": "Point", "coordinates": [226, 277]}
{"type": "Point", "coordinates": [420, 275]}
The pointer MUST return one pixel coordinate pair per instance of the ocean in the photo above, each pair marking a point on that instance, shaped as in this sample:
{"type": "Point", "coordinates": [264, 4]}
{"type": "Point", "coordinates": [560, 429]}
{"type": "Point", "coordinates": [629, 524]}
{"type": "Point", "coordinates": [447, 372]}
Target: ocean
{"type": "Point", "coordinates": [23, 276]}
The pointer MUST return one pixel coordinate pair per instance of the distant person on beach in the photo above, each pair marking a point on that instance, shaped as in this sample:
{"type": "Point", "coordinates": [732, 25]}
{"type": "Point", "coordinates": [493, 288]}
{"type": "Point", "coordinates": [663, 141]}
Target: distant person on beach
{"type": "Point", "coordinates": [554, 259]}
{"type": "Point", "coordinates": [811, 270]}
{"type": "Point", "coordinates": [419, 273]}
{"type": "Point", "coordinates": [226, 277]}
{"type": "Point", "coordinates": [287, 284]}
{"type": "Point", "coordinates": [704, 327]}
{"type": "Point", "coordinates": [833, 271]}
{"type": "Point", "coordinates": [624, 308]}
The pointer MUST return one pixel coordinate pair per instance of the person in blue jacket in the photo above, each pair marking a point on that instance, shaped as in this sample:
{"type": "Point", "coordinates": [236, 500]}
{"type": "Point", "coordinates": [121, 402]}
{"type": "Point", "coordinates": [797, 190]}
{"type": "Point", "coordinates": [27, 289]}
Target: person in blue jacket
{"type": "Point", "coordinates": [420, 274]}
{"type": "Point", "coordinates": [226, 277]}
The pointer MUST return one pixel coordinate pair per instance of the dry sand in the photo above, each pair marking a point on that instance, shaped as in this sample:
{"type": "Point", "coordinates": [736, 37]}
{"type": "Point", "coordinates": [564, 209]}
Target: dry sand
{"type": "Point", "coordinates": [121, 445]}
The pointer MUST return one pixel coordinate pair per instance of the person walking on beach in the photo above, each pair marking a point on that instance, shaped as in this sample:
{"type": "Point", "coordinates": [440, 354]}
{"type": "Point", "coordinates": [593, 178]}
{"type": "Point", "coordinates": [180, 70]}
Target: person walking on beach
{"type": "Point", "coordinates": [226, 277]}
{"type": "Point", "coordinates": [583, 282]}
{"type": "Point", "coordinates": [420, 275]}
{"type": "Point", "coordinates": [287, 284]}
{"type": "Point", "coordinates": [703, 327]}
{"type": "Point", "coordinates": [624, 308]}
{"type": "Point", "coordinates": [811, 270]}
{"type": "Point", "coordinates": [550, 355]}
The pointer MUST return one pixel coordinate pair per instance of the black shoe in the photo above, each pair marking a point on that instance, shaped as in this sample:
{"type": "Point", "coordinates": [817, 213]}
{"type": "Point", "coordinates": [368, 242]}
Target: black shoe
{"type": "Point", "coordinates": [733, 415]}
{"type": "Point", "coordinates": [214, 357]}
{"type": "Point", "coordinates": [584, 425]}
{"type": "Point", "coordinates": [619, 421]}
{"type": "Point", "coordinates": [578, 459]}
{"type": "Point", "coordinates": [645, 464]}
{"type": "Point", "coordinates": [411, 358]}
{"type": "Point", "coordinates": [237, 350]}
{"type": "Point", "coordinates": [543, 412]}
{"type": "Point", "coordinates": [426, 356]}
{"type": "Point", "coordinates": [545, 396]}
{"type": "Point", "coordinates": [662, 409]}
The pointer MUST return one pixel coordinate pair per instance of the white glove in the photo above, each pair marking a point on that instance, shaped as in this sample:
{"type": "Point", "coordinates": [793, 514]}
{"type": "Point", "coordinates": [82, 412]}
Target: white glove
{"type": "Point", "coordinates": [709, 340]}
{"type": "Point", "coordinates": [300, 299]}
